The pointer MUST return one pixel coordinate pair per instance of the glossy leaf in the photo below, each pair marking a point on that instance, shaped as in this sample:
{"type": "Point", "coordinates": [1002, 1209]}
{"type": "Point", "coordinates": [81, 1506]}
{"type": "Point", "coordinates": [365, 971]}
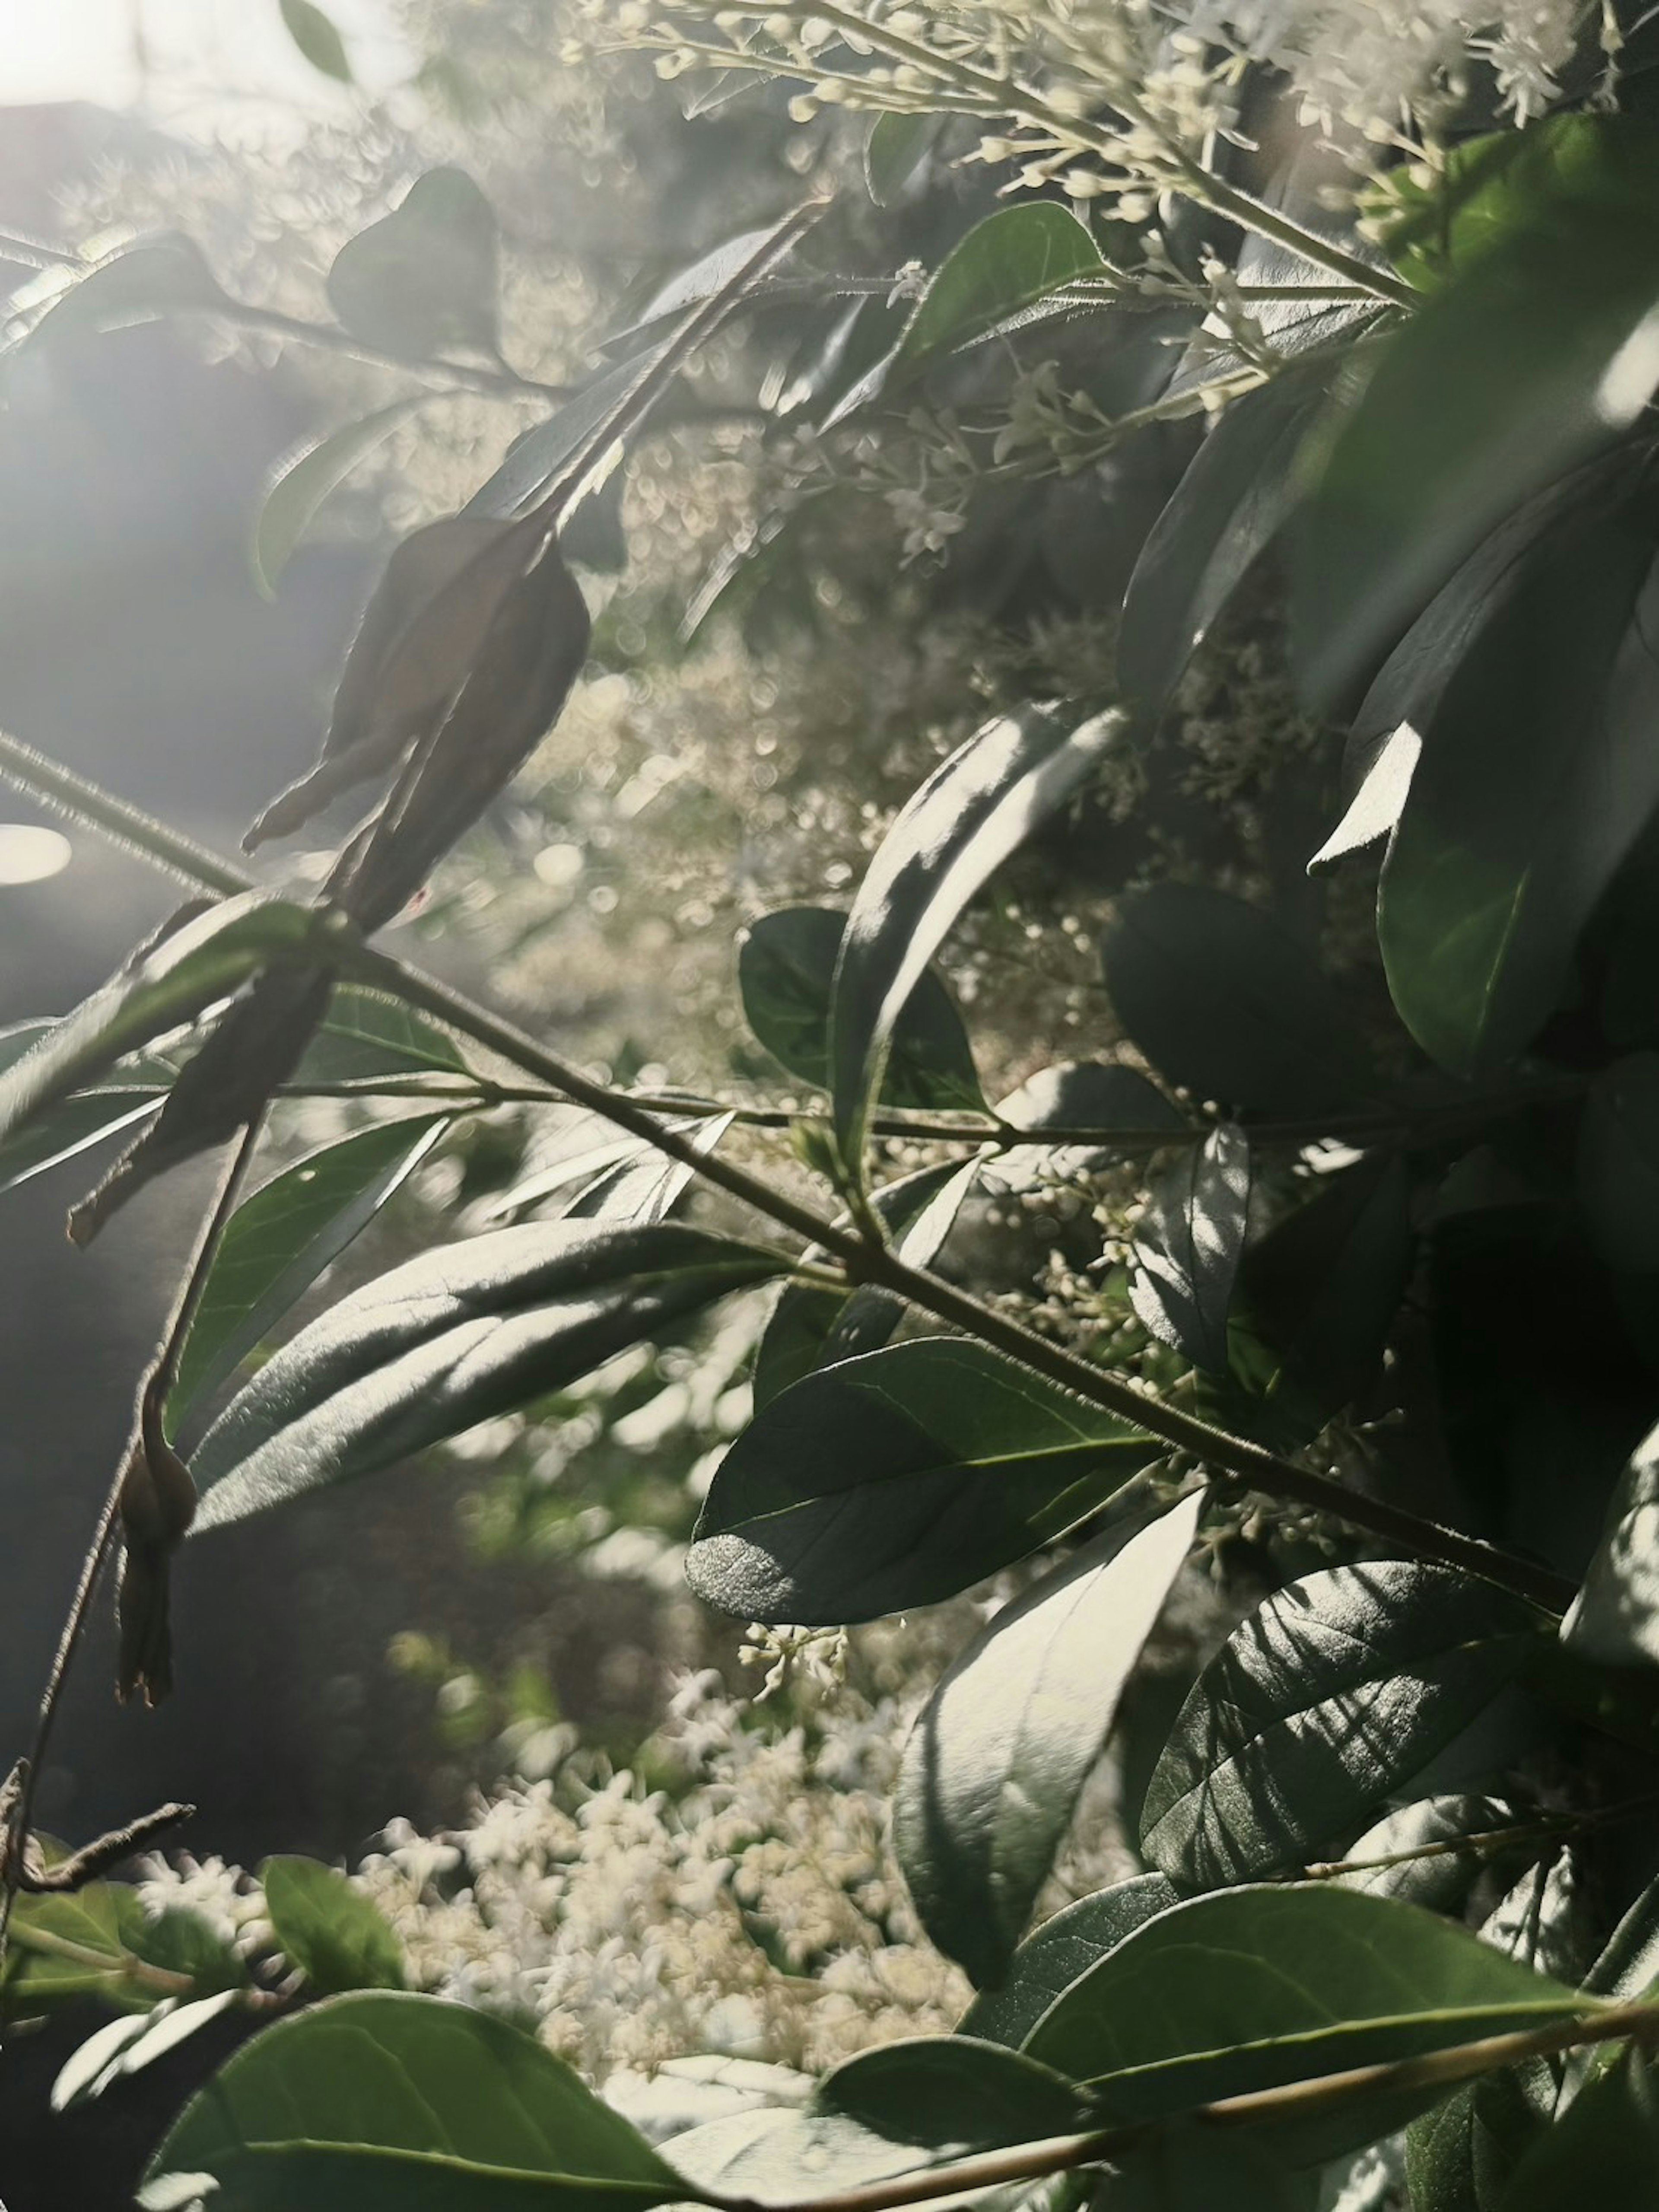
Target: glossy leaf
{"type": "Point", "coordinates": [424, 277]}
{"type": "Point", "coordinates": [1615, 1620]}
{"type": "Point", "coordinates": [1488, 394]}
{"type": "Point", "coordinates": [314, 34]}
{"type": "Point", "coordinates": [280, 1241]}
{"type": "Point", "coordinates": [205, 959]}
{"type": "Point", "coordinates": [462, 1333]}
{"type": "Point", "coordinates": [898, 1479]}
{"type": "Point", "coordinates": [1224, 1001]}
{"type": "Point", "coordinates": [335, 1935]}
{"type": "Point", "coordinates": [999, 1755]}
{"type": "Point", "coordinates": [786, 971]}
{"type": "Point", "coordinates": [1326, 1701]}
{"type": "Point", "coordinates": [1536, 778]}
{"type": "Point", "coordinates": [1189, 1245]}
{"type": "Point", "coordinates": [976, 809]}
{"type": "Point", "coordinates": [1619, 1163]}
{"type": "Point", "coordinates": [1060, 1953]}
{"type": "Point", "coordinates": [305, 481]}
{"type": "Point", "coordinates": [376, 2103]}
{"type": "Point", "coordinates": [1252, 1988]}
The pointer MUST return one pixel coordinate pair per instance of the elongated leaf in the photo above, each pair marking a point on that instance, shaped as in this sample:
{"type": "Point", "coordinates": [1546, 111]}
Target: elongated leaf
{"type": "Point", "coordinates": [897, 1480]}
{"type": "Point", "coordinates": [203, 960]}
{"type": "Point", "coordinates": [786, 972]}
{"type": "Point", "coordinates": [1326, 1701]}
{"type": "Point", "coordinates": [649, 1188]}
{"type": "Point", "coordinates": [1615, 1620]}
{"type": "Point", "coordinates": [1061, 1950]}
{"type": "Point", "coordinates": [1486, 394]}
{"type": "Point", "coordinates": [1252, 1988]}
{"type": "Point", "coordinates": [368, 2102]}
{"type": "Point", "coordinates": [365, 1036]}
{"type": "Point", "coordinates": [304, 481]}
{"type": "Point", "coordinates": [992, 1769]}
{"type": "Point", "coordinates": [1536, 777]}
{"type": "Point", "coordinates": [1225, 512]}
{"type": "Point", "coordinates": [459, 1334]}
{"type": "Point", "coordinates": [329, 1929]}
{"type": "Point", "coordinates": [280, 1241]}
{"type": "Point", "coordinates": [1188, 1246]}
{"type": "Point", "coordinates": [132, 1088]}
{"type": "Point", "coordinates": [974, 810]}
{"type": "Point", "coordinates": [162, 274]}
{"type": "Point", "coordinates": [126, 2046]}
{"type": "Point", "coordinates": [1619, 1163]}
{"type": "Point", "coordinates": [1223, 999]}
{"type": "Point", "coordinates": [537, 458]}
{"type": "Point", "coordinates": [314, 34]}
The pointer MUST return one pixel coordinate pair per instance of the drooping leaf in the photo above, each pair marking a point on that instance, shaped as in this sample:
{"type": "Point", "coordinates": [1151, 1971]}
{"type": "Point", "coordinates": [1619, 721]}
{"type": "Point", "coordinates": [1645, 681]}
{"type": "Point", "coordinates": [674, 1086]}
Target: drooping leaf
{"type": "Point", "coordinates": [995, 1765]}
{"type": "Point", "coordinates": [1619, 1163]}
{"type": "Point", "coordinates": [337, 1938]}
{"type": "Point", "coordinates": [646, 1189]}
{"type": "Point", "coordinates": [1326, 1701]}
{"type": "Point", "coordinates": [976, 809]}
{"type": "Point", "coordinates": [369, 2102]}
{"type": "Point", "coordinates": [206, 959]}
{"type": "Point", "coordinates": [314, 34]}
{"type": "Point", "coordinates": [1536, 778]}
{"type": "Point", "coordinates": [898, 1479]}
{"type": "Point", "coordinates": [122, 1098]}
{"type": "Point", "coordinates": [1060, 1953]}
{"type": "Point", "coordinates": [1615, 1620]}
{"type": "Point", "coordinates": [1189, 1245]}
{"type": "Point", "coordinates": [279, 1242]}
{"type": "Point", "coordinates": [1253, 1989]}
{"type": "Point", "coordinates": [1488, 394]}
{"type": "Point", "coordinates": [1223, 515]}
{"type": "Point", "coordinates": [786, 971]}
{"type": "Point", "coordinates": [424, 277]}
{"type": "Point", "coordinates": [1223, 999]}
{"type": "Point", "coordinates": [302, 481]}
{"type": "Point", "coordinates": [462, 1333]}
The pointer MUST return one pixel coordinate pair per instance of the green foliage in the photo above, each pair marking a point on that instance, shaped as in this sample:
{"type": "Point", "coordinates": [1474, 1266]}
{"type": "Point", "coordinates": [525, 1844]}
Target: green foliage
{"type": "Point", "coordinates": [329, 1930]}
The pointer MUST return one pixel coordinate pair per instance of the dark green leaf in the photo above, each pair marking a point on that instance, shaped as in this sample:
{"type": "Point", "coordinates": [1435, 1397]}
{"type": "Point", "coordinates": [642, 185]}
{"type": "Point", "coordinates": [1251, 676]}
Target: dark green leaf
{"type": "Point", "coordinates": [1615, 1620]}
{"type": "Point", "coordinates": [303, 481]}
{"type": "Point", "coordinates": [365, 1036]}
{"type": "Point", "coordinates": [1603, 2150]}
{"type": "Point", "coordinates": [1489, 392]}
{"type": "Point", "coordinates": [897, 146]}
{"type": "Point", "coordinates": [1224, 1001]}
{"type": "Point", "coordinates": [280, 1241]}
{"type": "Point", "coordinates": [1061, 1950]}
{"type": "Point", "coordinates": [992, 1769]}
{"type": "Point", "coordinates": [1185, 2168]}
{"type": "Point", "coordinates": [424, 277]}
{"type": "Point", "coordinates": [1327, 1700]}
{"type": "Point", "coordinates": [1253, 1989]}
{"type": "Point", "coordinates": [1225, 512]}
{"type": "Point", "coordinates": [1627, 1965]}
{"type": "Point", "coordinates": [1619, 1163]}
{"type": "Point", "coordinates": [205, 959]}
{"type": "Point", "coordinates": [375, 2102]}
{"type": "Point", "coordinates": [317, 38]}
{"type": "Point", "coordinates": [785, 968]}
{"type": "Point", "coordinates": [948, 839]}
{"type": "Point", "coordinates": [897, 1480]}
{"type": "Point", "coordinates": [1189, 1245]}
{"type": "Point", "coordinates": [329, 1929]}
{"type": "Point", "coordinates": [464, 1332]}
{"type": "Point", "coordinates": [1087, 1096]}
{"type": "Point", "coordinates": [1536, 776]}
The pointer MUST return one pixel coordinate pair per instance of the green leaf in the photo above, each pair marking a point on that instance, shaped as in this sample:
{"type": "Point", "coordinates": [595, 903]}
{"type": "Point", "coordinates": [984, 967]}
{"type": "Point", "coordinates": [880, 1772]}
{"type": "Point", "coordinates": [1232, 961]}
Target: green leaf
{"type": "Point", "coordinates": [1615, 1620]}
{"type": "Point", "coordinates": [279, 1242]}
{"type": "Point", "coordinates": [164, 274]}
{"type": "Point", "coordinates": [1224, 1001]}
{"type": "Point", "coordinates": [73, 1946]}
{"type": "Point", "coordinates": [126, 2045]}
{"type": "Point", "coordinates": [1536, 778]}
{"type": "Point", "coordinates": [1439, 1880]}
{"type": "Point", "coordinates": [1619, 1163]}
{"type": "Point", "coordinates": [536, 459]}
{"type": "Point", "coordinates": [1189, 1245]}
{"type": "Point", "coordinates": [302, 481]}
{"type": "Point", "coordinates": [895, 149]}
{"type": "Point", "coordinates": [204, 959]}
{"type": "Point", "coordinates": [1488, 394]}
{"type": "Point", "coordinates": [329, 1929]}
{"type": "Point", "coordinates": [424, 277]}
{"type": "Point", "coordinates": [396, 2103]}
{"type": "Point", "coordinates": [1060, 1953]}
{"type": "Point", "coordinates": [1254, 1988]}
{"type": "Point", "coordinates": [1327, 1700]}
{"type": "Point", "coordinates": [994, 1767]}
{"type": "Point", "coordinates": [1085, 1095]}
{"type": "Point", "coordinates": [365, 1036]}
{"type": "Point", "coordinates": [948, 839]}
{"type": "Point", "coordinates": [462, 1333]}
{"type": "Point", "coordinates": [898, 1479]}
{"type": "Point", "coordinates": [1184, 2168]}
{"type": "Point", "coordinates": [1223, 515]}
{"type": "Point", "coordinates": [132, 1090]}
{"type": "Point", "coordinates": [1604, 2149]}
{"type": "Point", "coordinates": [317, 38]}
{"type": "Point", "coordinates": [786, 969]}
